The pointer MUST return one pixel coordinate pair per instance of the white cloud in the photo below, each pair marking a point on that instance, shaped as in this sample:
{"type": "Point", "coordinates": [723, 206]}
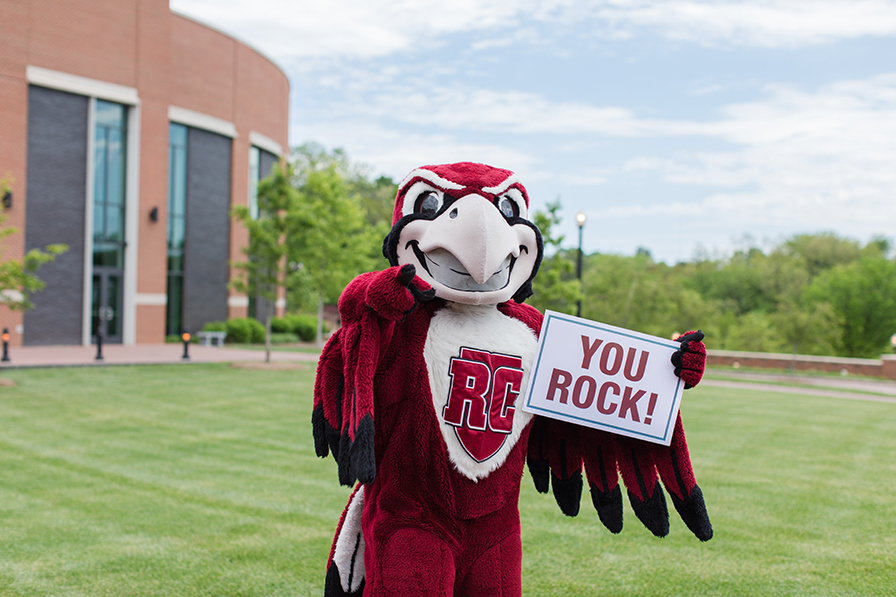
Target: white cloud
{"type": "Point", "coordinates": [764, 23]}
{"type": "Point", "coordinates": [396, 153]}
{"type": "Point", "coordinates": [312, 29]}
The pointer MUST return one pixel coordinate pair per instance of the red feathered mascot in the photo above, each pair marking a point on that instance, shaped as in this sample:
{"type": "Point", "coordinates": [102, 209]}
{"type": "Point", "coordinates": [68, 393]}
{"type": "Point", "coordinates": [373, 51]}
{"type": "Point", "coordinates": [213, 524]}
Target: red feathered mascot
{"type": "Point", "coordinates": [416, 398]}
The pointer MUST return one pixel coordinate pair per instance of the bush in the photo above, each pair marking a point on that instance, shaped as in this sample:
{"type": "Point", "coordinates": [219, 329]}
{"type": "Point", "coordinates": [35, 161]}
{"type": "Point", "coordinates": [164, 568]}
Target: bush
{"type": "Point", "coordinates": [303, 326]}
{"type": "Point", "coordinates": [280, 325]}
{"type": "Point", "coordinates": [245, 330]}
{"type": "Point", "coordinates": [215, 326]}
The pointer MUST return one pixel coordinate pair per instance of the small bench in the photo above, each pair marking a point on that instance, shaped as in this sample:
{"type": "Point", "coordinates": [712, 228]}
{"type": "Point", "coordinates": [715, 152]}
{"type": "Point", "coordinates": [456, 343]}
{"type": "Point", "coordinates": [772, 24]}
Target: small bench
{"type": "Point", "coordinates": [211, 338]}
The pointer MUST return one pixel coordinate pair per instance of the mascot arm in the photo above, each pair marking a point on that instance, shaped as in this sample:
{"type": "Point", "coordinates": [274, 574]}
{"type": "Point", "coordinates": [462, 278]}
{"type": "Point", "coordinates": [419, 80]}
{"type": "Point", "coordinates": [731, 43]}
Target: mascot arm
{"type": "Point", "coordinates": [343, 414]}
{"type": "Point", "coordinates": [558, 451]}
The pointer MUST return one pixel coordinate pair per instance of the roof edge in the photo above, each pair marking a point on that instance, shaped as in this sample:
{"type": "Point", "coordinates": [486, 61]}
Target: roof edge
{"type": "Point", "coordinates": [235, 38]}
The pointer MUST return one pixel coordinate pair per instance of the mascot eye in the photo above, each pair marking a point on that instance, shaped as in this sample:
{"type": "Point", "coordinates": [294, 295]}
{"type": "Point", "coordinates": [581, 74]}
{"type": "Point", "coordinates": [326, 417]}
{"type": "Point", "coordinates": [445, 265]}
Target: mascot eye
{"type": "Point", "coordinates": [428, 203]}
{"type": "Point", "coordinates": [508, 207]}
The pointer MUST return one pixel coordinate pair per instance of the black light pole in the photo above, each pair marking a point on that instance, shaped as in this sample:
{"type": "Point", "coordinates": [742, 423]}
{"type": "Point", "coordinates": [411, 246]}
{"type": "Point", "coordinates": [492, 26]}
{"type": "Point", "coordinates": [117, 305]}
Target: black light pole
{"type": "Point", "coordinates": [186, 338]}
{"type": "Point", "coordinates": [99, 339]}
{"type": "Point", "coordinates": [5, 345]}
{"type": "Point", "coordinates": [581, 221]}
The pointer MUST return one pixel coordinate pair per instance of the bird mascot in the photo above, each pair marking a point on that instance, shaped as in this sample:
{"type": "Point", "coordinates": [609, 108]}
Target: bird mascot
{"type": "Point", "coordinates": [416, 394]}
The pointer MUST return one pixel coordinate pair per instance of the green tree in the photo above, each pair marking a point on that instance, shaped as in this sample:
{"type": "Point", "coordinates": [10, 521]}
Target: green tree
{"type": "Point", "coordinates": [555, 287]}
{"type": "Point", "coordinates": [17, 276]}
{"type": "Point", "coordinates": [812, 329]}
{"type": "Point", "coordinates": [336, 241]}
{"type": "Point", "coordinates": [279, 219]}
{"type": "Point", "coordinates": [863, 297]}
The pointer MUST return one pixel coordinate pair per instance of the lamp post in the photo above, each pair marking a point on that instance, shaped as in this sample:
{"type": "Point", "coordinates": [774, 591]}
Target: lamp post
{"type": "Point", "coordinates": [186, 338]}
{"type": "Point", "coordinates": [5, 345]}
{"type": "Point", "coordinates": [580, 219]}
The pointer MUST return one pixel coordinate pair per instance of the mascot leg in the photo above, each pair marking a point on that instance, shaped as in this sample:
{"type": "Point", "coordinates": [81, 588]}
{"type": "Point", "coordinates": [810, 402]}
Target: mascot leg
{"type": "Point", "coordinates": [497, 571]}
{"type": "Point", "coordinates": [407, 562]}
{"type": "Point", "coordinates": [345, 570]}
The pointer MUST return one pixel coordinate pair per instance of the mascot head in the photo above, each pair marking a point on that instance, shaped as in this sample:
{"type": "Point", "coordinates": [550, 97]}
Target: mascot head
{"type": "Point", "coordinates": [465, 227]}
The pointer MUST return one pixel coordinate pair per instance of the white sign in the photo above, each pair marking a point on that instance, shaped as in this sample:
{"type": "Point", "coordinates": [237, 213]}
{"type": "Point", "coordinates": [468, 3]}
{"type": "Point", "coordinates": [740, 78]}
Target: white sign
{"type": "Point", "coordinates": [605, 377]}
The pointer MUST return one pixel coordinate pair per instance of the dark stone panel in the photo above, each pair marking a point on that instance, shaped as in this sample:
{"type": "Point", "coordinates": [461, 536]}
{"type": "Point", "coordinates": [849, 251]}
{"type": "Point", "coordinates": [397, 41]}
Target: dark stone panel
{"type": "Point", "coordinates": [55, 210]}
{"type": "Point", "coordinates": [207, 246]}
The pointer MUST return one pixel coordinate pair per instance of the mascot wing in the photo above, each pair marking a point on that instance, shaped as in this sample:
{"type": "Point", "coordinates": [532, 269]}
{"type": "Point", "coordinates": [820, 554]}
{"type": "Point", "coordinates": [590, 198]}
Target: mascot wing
{"type": "Point", "coordinates": [558, 452]}
{"type": "Point", "coordinates": [343, 417]}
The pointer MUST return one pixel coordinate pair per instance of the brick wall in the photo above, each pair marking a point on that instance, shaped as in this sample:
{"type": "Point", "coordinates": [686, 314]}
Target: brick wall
{"type": "Point", "coordinates": [883, 367]}
{"type": "Point", "coordinates": [170, 60]}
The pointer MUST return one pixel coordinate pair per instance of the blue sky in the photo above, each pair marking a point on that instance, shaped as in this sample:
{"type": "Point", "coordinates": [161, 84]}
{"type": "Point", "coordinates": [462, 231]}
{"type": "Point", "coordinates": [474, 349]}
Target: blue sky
{"type": "Point", "coordinates": [678, 125]}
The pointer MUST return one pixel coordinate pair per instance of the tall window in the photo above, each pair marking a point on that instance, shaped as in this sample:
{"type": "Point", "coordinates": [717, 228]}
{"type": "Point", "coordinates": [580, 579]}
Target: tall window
{"type": "Point", "coordinates": [177, 225]}
{"type": "Point", "coordinates": [109, 194]}
{"type": "Point", "coordinates": [254, 177]}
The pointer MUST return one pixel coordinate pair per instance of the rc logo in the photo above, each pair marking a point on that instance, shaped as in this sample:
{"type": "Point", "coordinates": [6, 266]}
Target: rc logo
{"type": "Point", "coordinates": [482, 399]}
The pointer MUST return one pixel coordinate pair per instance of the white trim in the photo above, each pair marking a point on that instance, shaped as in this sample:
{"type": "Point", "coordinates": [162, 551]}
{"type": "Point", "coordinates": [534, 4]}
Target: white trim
{"type": "Point", "coordinates": [266, 143]}
{"type": "Point", "coordinates": [498, 189]}
{"type": "Point", "coordinates": [131, 226]}
{"type": "Point", "coordinates": [237, 301]}
{"type": "Point", "coordinates": [202, 121]}
{"type": "Point", "coordinates": [87, 294]}
{"type": "Point", "coordinates": [45, 77]}
{"type": "Point", "coordinates": [11, 295]}
{"type": "Point", "coordinates": [151, 299]}
{"type": "Point", "coordinates": [432, 177]}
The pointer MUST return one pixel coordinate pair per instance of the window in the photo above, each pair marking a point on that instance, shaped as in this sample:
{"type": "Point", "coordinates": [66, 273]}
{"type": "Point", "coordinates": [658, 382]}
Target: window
{"type": "Point", "coordinates": [109, 197]}
{"type": "Point", "coordinates": [177, 226]}
{"type": "Point", "coordinates": [254, 177]}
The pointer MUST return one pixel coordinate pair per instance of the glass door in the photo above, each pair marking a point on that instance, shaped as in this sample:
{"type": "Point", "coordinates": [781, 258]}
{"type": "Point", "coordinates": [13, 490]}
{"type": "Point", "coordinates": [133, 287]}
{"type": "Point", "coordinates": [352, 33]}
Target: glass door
{"type": "Point", "coordinates": [109, 199]}
{"type": "Point", "coordinates": [106, 307]}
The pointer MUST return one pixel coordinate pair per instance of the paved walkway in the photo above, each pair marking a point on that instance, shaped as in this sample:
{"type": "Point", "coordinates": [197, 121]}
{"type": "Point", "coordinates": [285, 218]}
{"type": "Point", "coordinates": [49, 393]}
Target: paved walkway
{"type": "Point", "coordinates": [142, 354]}
{"type": "Point", "coordinates": [834, 387]}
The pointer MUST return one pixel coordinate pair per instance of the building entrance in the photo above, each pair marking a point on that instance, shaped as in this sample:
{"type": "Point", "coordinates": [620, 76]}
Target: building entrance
{"type": "Point", "coordinates": [106, 307]}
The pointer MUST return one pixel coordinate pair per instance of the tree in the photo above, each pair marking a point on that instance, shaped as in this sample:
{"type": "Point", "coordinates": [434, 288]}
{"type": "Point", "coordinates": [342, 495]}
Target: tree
{"type": "Point", "coordinates": [279, 219]}
{"type": "Point", "coordinates": [336, 242]}
{"type": "Point", "coordinates": [555, 287]}
{"type": "Point", "coordinates": [17, 276]}
{"type": "Point", "coordinates": [863, 297]}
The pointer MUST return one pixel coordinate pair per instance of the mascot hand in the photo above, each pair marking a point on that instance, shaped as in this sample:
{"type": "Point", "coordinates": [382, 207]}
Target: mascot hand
{"type": "Point", "coordinates": [690, 359]}
{"type": "Point", "coordinates": [396, 292]}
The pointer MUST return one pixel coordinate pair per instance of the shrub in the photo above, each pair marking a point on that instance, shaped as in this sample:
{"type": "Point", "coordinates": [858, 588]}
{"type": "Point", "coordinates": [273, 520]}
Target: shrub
{"type": "Point", "coordinates": [245, 330]}
{"type": "Point", "coordinates": [303, 326]}
{"type": "Point", "coordinates": [280, 325]}
{"type": "Point", "coordinates": [215, 326]}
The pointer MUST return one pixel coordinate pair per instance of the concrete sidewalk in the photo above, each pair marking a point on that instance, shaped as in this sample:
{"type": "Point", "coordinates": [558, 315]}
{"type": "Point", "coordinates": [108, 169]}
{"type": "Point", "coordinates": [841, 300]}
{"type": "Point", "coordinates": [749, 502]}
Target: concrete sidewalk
{"type": "Point", "coordinates": [142, 354]}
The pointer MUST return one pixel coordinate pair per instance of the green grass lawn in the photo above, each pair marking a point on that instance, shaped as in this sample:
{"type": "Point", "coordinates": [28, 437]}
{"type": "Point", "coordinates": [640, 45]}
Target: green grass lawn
{"type": "Point", "coordinates": [202, 480]}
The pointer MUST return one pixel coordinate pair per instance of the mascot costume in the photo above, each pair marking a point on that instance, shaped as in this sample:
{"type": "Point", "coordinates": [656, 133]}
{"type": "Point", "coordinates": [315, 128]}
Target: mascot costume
{"type": "Point", "coordinates": [415, 397]}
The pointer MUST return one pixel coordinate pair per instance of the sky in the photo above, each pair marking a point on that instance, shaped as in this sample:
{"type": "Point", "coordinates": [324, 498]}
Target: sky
{"type": "Point", "coordinates": [686, 127]}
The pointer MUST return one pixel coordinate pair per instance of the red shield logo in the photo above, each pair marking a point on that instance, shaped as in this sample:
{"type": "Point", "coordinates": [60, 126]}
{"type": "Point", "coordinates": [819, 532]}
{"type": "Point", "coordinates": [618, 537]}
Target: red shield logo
{"type": "Point", "coordinates": [482, 399]}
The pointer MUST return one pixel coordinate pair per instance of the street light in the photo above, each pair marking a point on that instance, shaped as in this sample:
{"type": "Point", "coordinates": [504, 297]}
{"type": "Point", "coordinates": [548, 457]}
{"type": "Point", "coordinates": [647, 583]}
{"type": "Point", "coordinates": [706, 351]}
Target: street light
{"type": "Point", "coordinates": [580, 218]}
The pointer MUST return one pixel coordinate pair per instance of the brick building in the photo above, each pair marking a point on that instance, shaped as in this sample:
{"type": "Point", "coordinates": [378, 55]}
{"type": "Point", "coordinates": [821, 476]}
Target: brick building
{"type": "Point", "coordinates": [128, 132]}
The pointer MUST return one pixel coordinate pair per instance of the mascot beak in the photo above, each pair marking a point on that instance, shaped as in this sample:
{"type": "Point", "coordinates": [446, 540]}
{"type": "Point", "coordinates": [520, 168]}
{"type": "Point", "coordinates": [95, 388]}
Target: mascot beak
{"type": "Point", "coordinates": [470, 246]}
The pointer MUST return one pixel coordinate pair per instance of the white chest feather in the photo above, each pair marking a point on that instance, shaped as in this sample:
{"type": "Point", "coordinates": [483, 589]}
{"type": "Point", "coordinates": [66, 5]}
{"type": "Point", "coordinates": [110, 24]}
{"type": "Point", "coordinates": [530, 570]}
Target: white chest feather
{"type": "Point", "coordinates": [478, 362]}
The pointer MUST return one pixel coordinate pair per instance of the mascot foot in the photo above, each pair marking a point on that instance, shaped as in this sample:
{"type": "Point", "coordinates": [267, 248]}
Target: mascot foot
{"type": "Point", "coordinates": [333, 586]}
